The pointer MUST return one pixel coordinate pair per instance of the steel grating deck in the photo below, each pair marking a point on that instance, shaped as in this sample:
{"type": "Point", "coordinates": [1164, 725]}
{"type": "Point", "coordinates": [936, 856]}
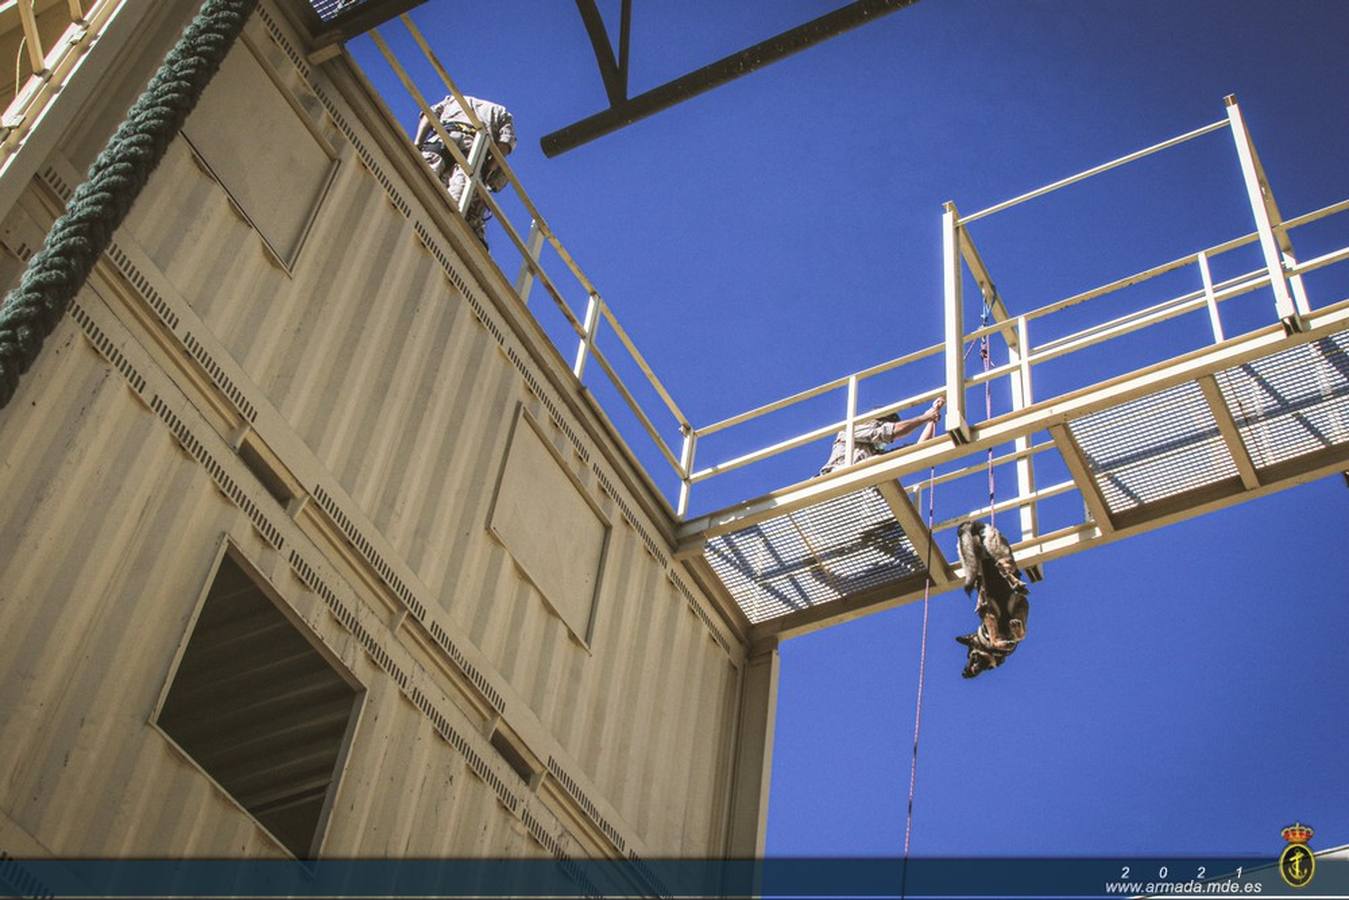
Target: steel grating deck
{"type": "Point", "coordinates": [1291, 403]}
{"type": "Point", "coordinates": [1285, 405]}
{"type": "Point", "coordinates": [328, 9]}
{"type": "Point", "coordinates": [1154, 447]}
{"type": "Point", "coordinates": [813, 556]}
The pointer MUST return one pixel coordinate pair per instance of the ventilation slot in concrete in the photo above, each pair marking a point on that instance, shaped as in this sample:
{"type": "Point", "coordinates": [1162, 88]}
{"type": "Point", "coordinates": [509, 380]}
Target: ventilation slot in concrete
{"type": "Point", "coordinates": [270, 478]}
{"type": "Point", "coordinates": [513, 755]}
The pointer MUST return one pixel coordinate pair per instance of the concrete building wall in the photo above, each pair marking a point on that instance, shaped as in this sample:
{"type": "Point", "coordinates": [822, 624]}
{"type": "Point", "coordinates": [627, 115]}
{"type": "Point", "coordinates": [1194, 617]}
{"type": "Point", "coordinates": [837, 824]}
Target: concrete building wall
{"type": "Point", "coordinates": [311, 318]}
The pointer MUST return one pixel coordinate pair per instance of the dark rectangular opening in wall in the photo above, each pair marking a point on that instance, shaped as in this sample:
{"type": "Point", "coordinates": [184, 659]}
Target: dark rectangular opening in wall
{"type": "Point", "coordinates": [512, 755]}
{"type": "Point", "coordinates": [260, 709]}
{"type": "Point", "coordinates": [270, 478]}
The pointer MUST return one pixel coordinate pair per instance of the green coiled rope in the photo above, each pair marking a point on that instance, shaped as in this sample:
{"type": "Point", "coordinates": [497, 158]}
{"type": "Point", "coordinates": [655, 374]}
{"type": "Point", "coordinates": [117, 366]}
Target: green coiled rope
{"type": "Point", "coordinates": [57, 272]}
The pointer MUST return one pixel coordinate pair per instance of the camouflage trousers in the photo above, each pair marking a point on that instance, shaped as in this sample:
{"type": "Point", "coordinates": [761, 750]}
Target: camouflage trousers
{"type": "Point", "coordinates": [455, 180]}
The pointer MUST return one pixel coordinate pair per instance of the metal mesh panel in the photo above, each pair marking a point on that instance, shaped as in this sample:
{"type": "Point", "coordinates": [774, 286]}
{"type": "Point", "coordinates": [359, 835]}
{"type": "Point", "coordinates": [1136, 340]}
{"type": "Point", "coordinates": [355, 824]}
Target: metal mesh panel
{"type": "Point", "coordinates": [1154, 447]}
{"type": "Point", "coordinates": [1293, 402]}
{"type": "Point", "coordinates": [813, 556]}
{"type": "Point", "coordinates": [329, 9]}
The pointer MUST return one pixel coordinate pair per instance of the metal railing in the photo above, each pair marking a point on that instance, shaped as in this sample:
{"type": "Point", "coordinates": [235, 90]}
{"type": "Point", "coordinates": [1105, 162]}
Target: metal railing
{"type": "Point", "coordinates": [586, 326]}
{"type": "Point", "coordinates": [1282, 272]}
{"type": "Point", "coordinates": [50, 66]}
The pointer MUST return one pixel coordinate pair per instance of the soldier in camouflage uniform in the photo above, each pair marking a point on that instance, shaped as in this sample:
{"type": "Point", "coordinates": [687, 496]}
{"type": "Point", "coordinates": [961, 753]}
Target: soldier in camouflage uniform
{"type": "Point", "coordinates": [497, 120]}
{"type": "Point", "coordinates": [870, 436]}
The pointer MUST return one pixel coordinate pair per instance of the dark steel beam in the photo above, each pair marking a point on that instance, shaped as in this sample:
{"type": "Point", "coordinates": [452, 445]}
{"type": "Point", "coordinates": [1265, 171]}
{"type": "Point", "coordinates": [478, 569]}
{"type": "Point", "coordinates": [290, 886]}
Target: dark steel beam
{"type": "Point", "coordinates": [624, 31]}
{"type": "Point", "coordinates": [620, 115]}
{"type": "Point", "coordinates": [614, 76]}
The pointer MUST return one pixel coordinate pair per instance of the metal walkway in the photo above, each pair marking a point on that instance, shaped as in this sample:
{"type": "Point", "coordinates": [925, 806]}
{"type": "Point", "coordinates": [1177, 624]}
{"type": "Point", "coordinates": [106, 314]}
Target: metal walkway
{"type": "Point", "coordinates": [1228, 424]}
{"type": "Point", "coordinates": [1241, 417]}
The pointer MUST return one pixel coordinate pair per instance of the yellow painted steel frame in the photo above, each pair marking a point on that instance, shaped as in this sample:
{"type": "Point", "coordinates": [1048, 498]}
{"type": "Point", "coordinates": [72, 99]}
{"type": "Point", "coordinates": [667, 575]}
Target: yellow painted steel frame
{"type": "Point", "coordinates": [1048, 415]}
{"type": "Point", "coordinates": [960, 254]}
{"type": "Point", "coordinates": [50, 67]}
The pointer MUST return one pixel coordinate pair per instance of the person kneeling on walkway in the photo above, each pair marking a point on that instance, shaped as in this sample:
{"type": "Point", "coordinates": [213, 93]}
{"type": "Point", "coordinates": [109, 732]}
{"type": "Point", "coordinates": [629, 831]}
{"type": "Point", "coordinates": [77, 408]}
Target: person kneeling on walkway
{"type": "Point", "coordinates": [871, 437]}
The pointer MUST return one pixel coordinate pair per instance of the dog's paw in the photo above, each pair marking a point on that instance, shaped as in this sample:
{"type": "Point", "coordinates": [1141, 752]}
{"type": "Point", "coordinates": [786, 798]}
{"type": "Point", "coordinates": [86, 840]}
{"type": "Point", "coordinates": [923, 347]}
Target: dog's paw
{"type": "Point", "coordinates": [1017, 628]}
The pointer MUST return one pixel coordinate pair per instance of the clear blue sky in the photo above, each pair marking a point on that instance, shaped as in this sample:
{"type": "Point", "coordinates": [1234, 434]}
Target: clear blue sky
{"type": "Point", "coordinates": [1180, 691]}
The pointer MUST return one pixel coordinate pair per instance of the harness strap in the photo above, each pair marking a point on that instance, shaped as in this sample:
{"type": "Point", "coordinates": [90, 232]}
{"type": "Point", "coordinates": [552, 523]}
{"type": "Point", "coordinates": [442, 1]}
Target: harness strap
{"type": "Point", "coordinates": [1004, 647]}
{"type": "Point", "coordinates": [433, 141]}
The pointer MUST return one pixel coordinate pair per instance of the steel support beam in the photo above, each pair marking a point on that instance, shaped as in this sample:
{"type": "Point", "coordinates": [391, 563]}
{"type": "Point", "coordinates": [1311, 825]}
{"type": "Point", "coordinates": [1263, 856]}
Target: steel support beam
{"type": "Point", "coordinates": [916, 530]}
{"type": "Point", "coordinates": [753, 753]}
{"type": "Point", "coordinates": [845, 609]}
{"type": "Point", "coordinates": [1066, 541]}
{"type": "Point", "coordinates": [1023, 395]}
{"type": "Point", "coordinates": [613, 72]}
{"type": "Point", "coordinates": [1076, 462]}
{"type": "Point", "coordinates": [954, 305]}
{"type": "Point", "coordinates": [1227, 427]}
{"type": "Point", "coordinates": [987, 288]}
{"type": "Point", "coordinates": [620, 115]}
{"type": "Point", "coordinates": [1265, 214]}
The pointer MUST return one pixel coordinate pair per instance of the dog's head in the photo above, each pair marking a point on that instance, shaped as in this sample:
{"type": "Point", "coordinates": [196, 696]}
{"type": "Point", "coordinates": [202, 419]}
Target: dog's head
{"type": "Point", "coordinates": [980, 655]}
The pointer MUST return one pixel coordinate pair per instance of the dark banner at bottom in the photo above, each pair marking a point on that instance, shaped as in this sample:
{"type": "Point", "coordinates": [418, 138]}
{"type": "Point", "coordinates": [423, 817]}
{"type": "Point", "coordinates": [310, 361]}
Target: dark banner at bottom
{"type": "Point", "coordinates": [1326, 876]}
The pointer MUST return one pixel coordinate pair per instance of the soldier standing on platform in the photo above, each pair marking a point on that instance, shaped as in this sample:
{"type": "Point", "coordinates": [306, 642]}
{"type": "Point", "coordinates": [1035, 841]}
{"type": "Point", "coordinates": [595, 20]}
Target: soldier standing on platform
{"type": "Point", "coordinates": [497, 120]}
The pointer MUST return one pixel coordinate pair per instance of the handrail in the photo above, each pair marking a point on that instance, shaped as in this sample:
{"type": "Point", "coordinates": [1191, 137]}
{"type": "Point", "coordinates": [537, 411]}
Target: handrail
{"type": "Point", "coordinates": [1319, 262]}
{"type": "Point", "coordinates": [1246, 282]}
{"type": "Point", "coordinates": [1030, 356]}
{"type": "Point", "coordinates": [982, 464]}
{"type": "Point", "coordinates": [645, 366]}
{"type": "Point", "coordinates": [528, 247]}
{"type": "Point", "coordinates": [647, 424]}
{"type": "Point", "coordinates": [813, 434]}
{"type": "Point", "coordinates": [816, 391]}
{"type": "Point", "coordinates": [1022, 356]}
{"type": "Point", "coordinates": [1177, 263]}
{"type": "Point", "coordinates": [1053, 490]}
{"type": "Point", "coordinates": [496, 152]}
{"type": "Point", "coordinates": [50, 67]}
{"type": "Point", "coordinates": [1095, 170]}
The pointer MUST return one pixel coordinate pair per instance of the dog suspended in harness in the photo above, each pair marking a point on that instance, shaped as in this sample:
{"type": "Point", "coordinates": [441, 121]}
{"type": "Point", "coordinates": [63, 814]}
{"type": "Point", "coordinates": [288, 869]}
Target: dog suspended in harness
{"type": "Point", "coordinates": [1002, 606]}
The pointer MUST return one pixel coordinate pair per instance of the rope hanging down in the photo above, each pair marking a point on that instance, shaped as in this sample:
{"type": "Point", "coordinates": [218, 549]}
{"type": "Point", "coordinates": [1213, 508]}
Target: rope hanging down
{"type": "Point", "coordinates": [928, 432]}
{"type": "Point", "coordinates": [922, 665]}
{"type": "Point", "coordinates": [57, 272]}
{"type": "Point", "coordinates": [984, 353]}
